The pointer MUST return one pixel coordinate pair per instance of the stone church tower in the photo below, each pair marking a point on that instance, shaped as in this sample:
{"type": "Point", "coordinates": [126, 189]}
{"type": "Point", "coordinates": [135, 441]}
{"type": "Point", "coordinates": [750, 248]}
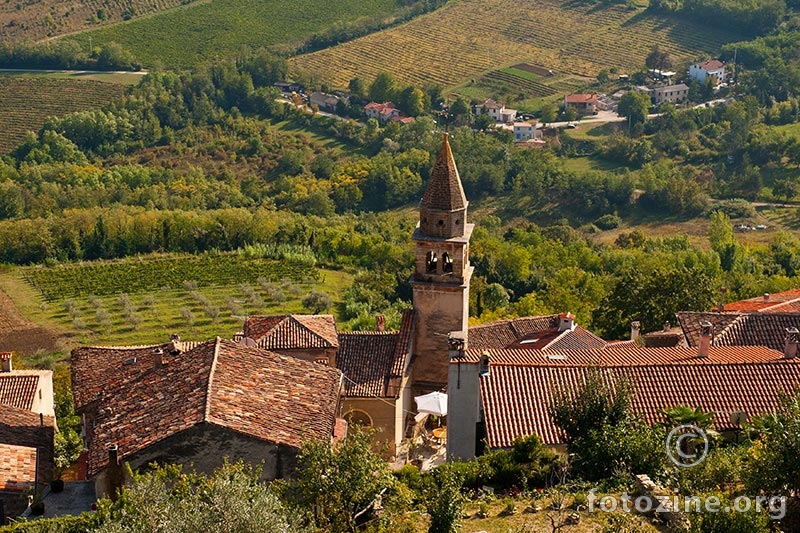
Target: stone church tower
{"type": "Point", "coordinates": [442, 271]}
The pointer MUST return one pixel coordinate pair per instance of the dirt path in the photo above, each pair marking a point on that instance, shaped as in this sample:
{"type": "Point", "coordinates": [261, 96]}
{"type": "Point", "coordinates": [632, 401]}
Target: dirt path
{"type": "Point", "coordinates": [18, 334]}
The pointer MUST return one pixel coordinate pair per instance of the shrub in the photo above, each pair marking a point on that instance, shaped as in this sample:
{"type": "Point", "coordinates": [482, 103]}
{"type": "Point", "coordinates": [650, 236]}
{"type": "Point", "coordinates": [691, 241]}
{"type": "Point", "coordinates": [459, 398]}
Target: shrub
{"type": "Point", "coordinates": [607, 222]}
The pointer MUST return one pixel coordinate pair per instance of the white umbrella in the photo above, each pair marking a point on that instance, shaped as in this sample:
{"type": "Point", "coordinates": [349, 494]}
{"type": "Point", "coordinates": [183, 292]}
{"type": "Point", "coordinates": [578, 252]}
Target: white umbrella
{"type": "Point", "coordinates": [434, 403]}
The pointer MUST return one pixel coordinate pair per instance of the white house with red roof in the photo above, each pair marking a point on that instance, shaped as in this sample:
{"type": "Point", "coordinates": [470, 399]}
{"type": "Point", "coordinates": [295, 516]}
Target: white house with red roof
{"type": "Point", "coordinates": [383, 112]}
{"type": "Point", "coordinates": [713, 68]}
{"type": "Point", "coordinates": [498, 112]}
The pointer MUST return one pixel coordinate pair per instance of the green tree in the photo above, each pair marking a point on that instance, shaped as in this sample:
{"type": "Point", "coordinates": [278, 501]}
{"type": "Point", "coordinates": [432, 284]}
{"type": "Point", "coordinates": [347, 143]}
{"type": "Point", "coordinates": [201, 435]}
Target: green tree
{"type": "Point", "coordinates": [548, 113]}
{"type": "Point", "coordinates": [317, 302]}
{"type": "Point", "coordinates": [785, 188]}
{"type": "Point", "coordinates": [495, 297]}
{"type": "Point", "coordinates": [652, 295]}
{"type": "Point", "coordinates": [337, 483]}
{"type": "Point", "coordinates": [723, 241]}
{"type": "Point", "coordinates": [460, 112]}
{"type": "Point", "coordinates": [444, 501]}
{"type": "Point", "coordinates": [634, 105]}
{"type": "Point", "coordinates": [776, 451]}
{"type": "Point", "coordinates": [658, 59]}
{"type": "Point", "coordinates": [383, 88]}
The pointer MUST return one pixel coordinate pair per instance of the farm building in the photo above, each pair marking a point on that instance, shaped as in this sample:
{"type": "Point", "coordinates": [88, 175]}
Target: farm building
{"type": "Point", "coordinates": [585, 104]}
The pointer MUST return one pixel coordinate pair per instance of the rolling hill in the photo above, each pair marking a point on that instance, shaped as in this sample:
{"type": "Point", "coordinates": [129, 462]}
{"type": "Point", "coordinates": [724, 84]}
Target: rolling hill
{"type": "Point", "coordinates": [469, 38]}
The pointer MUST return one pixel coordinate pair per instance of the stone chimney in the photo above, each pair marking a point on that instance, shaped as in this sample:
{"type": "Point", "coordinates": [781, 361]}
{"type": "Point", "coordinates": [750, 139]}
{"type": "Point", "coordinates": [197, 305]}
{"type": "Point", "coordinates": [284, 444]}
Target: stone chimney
{"type": "Point", "coordinates": [790, 343]}
{"type": "Point", "coordinates": [566, 321]}
{"type": "Point", "coordinates": [766, 296]}
{"type": "Point", "coordinates": [635, 327]}
{"type": "Point", "coordinates": [706, 330]}
{"type": "Point", "coordinates": [666, 325]}
{"type": "Point", "coordinates": [158, 357]}
{"type": "Point", "coordinates": [114, 474]}
{"type": "Point", "coordinates": [483, 368]}
{"type": "Point", "coordinates": [5, 362]}
{"type": "Point", "coordinates": [380, 323]}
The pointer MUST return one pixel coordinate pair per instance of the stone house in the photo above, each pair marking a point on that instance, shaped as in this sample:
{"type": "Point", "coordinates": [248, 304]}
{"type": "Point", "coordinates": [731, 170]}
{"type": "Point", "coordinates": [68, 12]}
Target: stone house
{"type": "Point", "coordinates": [197, 403]}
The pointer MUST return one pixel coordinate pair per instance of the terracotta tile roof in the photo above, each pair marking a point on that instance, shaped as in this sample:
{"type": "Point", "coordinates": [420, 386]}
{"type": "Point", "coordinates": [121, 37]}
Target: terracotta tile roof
{"type": "Point", "coordinates": [292, 331]}
{"type": "Point", "coordinates": [579, 98]}
{"type": "Point", "coordinates": [96, 369]}
{"type": "Point", "coordinates": [374, 362]}
{"type": "Point", "coordinates": [741, 329]}
{"type": "Point", "coordinates": [444, 191]}
{"type": "Point", "coordinates": [516, 396]}
{"type": "Point", "coordinates": [768, 303]}
{"type": "Point", "coordinates": [18, 388]}
{"type": "Point", "coordinates": [711, 64]}
{"type": "Point", "coordinates": [536, 332]}
{"type": "Point", "coordinates": [22, 436]}
{"type": "Point", "coordinates": [252, 391]}
{"type": "Point", "coordinates": [690, 323]}
{"type": "Point", "coordinates": [627, 354]}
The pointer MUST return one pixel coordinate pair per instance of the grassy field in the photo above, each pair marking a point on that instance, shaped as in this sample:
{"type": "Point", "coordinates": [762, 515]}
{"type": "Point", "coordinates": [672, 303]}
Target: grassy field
{"type": "Point", "coordinates": [142, 300]}
{"type": "Point", "coordinates": [183, 37]}
{"type": "Point", "coordinates": [468, 39]}
{"type": "Point", "coordinates": [25, 101]}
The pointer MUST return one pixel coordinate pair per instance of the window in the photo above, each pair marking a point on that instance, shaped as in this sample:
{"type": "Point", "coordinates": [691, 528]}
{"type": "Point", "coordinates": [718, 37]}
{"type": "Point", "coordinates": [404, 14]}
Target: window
{"type": "Point", "coordinates": [357, 417]}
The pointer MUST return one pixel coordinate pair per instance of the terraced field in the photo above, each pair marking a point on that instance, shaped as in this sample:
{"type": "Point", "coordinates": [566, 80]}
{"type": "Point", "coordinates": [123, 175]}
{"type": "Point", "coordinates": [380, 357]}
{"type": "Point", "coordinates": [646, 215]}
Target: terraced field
{"type": "Point", "coordinates": [32, 20]}
{"type": "Point", "coordinates": [26, 101]}
{"type": "Point", "coordinates": [470, 38]}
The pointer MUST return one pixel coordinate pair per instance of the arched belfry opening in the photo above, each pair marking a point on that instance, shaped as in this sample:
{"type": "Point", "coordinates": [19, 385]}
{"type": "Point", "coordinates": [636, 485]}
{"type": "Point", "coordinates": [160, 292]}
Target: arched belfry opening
{"type": "Point", "coordinates": [431, 262]}
{"type": "Point", "coordinates": [447, 263]}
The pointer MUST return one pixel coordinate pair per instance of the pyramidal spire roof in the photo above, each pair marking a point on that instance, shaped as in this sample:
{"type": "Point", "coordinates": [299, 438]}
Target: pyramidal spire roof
{"type": "Point", "coordinates": [444, 190]}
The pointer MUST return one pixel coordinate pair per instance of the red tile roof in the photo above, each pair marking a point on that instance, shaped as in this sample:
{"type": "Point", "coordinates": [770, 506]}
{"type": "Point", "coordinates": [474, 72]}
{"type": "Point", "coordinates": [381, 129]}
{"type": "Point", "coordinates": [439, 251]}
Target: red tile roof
{"type": "Point", "coordinates": [292, 331]}
{"type": "Point", "coordinates": [516, 397]}
{"type": "Point", "coordinates": [536, 332]}
{"type": "Point", "coordinates": [627, 354]}
{"type": "Point", "coordinates": [95, 369]}
{"type": "Point", "coordinates": [18, 388]}
{"type": "Point", "coordinates": [270, 397]}
{"type": "Point", "coordinates": [444, 191]}
{"type": "Point", "coordinates": [579, 98]}
{"type": "Point", "coordinates": [768, 303]}
{"type": "Point", "coordinates": [711, 64]}
{"type": "Point", "coordinates": [741, 329]}
{"type": "Point", "coordinates": [374, 362]}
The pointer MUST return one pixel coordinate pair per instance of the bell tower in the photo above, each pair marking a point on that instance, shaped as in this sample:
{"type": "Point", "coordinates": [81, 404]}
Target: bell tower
{"type": "Point", "coordinates": [442, 271]}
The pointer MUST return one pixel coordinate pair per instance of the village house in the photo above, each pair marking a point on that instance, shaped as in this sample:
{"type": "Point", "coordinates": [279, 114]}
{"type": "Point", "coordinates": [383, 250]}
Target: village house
{"type": "Point", "coordinates": [27, 429]}
{"type": "Point", "coordinates": [382, 112]}
{"type": "Point", "coordinates": [526, 131]}
{"type": "Point", "coordinates": [584, 104]}
{"type": "Point", "coordinates": [713, 69]}
{"type": "Point", "coordinates": [498, 112]}
{"type": "Point", "coordinates": [198, 403]}
{"type": "Point", "coordinates": [669, 93]}
{"type": "Point", "coordinates": [325, 102]}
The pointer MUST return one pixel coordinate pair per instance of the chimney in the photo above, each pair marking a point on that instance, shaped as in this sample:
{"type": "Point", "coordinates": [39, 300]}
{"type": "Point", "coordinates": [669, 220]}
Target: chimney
{"type": "Point", "coordinates": [766, 296]}
{"type": "Point", "coordinates": [483, 369]}
{"type": "Point", "coordinates": [567, 322]}
{"type": "Point", "coordinates": [174, 337]}
{"type": "Point", "coordinates": [666, 325]}
{"type": "Point", "coordinates": [158, 357]}
{"type": "Point", "coordinates": [380, 323]}
{"type": "Point", "coordinates": [456, 343]}
{"type": "Point", "coordinates": [635, 327]}
{"type": "Point", "coordinates": [790, 343]}
{"type": "Point", "coordinates": [115, 477]}
{"type": "Point", "coordinates": [706, 330]}
{"type": "Point", "coordinates": [5, 360]}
